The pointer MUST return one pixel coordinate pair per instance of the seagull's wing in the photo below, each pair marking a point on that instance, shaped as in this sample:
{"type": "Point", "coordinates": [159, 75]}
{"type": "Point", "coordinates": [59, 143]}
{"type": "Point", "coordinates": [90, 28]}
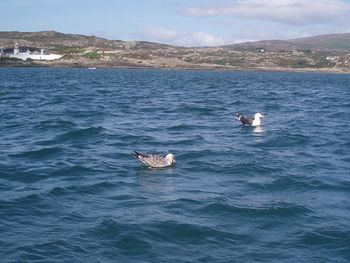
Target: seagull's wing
{"type": "Point", "coordinates": [154, 161]}
{"type": "Point", "coordinates": [247, 120]}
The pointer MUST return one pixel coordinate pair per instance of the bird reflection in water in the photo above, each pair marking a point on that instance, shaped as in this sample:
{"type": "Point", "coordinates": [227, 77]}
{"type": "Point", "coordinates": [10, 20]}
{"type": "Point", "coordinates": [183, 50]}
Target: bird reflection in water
{"type": "Point", "coordinates": [258, 129]}
{"type": "Point", "coordinates": [259, 132]}
{"type": "Point", "coordinates": [155, 180]}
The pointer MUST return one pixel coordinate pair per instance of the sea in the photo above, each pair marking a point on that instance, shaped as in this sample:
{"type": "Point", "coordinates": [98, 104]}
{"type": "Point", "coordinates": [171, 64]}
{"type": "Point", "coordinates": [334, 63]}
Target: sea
{"type": "Point", "coordinates": [71, 190]}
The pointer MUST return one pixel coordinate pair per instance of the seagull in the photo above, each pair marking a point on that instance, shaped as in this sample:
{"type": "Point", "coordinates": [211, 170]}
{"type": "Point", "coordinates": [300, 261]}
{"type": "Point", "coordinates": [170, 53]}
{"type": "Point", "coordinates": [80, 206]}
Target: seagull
{"type": "Point", "coordinates": [250, 121]}
{"type": "Point", "coordinates": [154, 160]}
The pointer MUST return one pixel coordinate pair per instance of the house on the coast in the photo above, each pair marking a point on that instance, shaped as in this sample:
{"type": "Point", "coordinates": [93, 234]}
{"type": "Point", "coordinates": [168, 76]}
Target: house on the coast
{"type": "Point", "coordinates": [25, 53]}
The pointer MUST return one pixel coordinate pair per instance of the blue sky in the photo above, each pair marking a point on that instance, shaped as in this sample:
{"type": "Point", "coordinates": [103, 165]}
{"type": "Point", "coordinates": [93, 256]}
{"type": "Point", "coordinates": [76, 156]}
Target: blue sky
{"type": "Point", "coordinates": [180, 22]}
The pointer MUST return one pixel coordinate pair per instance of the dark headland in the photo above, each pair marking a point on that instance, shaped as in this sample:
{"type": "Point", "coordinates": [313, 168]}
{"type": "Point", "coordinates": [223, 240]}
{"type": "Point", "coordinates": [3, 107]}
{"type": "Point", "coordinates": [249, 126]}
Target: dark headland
{"type": "Point", "coordinates": [324, 53]}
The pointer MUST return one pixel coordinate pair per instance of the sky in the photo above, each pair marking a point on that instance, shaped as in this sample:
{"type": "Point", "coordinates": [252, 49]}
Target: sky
{"type": "Point", "coordinates": [180, 22]}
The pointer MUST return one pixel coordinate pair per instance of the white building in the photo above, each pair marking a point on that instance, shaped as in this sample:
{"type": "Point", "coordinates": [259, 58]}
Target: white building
{"type": "Point", "coordinates": [27, 54]}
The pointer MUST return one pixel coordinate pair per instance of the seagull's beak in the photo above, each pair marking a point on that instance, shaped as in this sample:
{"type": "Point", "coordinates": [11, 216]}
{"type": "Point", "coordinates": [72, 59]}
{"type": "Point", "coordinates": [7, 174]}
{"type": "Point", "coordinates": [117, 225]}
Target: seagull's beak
{"type": "Point", "coordinates": [262, 116]}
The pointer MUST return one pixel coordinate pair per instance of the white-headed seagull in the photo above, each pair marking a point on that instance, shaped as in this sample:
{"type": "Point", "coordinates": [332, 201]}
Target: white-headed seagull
{"type": "Point", "coordinates": [250, 121]}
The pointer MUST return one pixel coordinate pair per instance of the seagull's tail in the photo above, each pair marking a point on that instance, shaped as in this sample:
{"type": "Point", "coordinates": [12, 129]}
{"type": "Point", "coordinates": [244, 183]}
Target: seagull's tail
{"type": "Point", "coordinates": [137, 154]}
{"type": "Point", "coordinates": [238, 115]}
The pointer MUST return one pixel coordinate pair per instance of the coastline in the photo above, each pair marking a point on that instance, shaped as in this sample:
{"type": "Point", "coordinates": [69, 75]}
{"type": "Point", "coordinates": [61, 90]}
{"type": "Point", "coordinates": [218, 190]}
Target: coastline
{"type": "Point", "coordinates": [60, 64]}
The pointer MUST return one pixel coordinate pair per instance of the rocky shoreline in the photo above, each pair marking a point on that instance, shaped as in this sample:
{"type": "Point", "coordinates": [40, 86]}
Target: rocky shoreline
{"type": "Point", "coordinates": [70, 64]}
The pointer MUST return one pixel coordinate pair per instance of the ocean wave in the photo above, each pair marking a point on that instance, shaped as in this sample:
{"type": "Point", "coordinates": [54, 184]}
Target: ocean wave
{"type": "Point", "coordinates": [90, 189]}
{"type": "Point", "coordinates": [273, 209]}
{"type": "Point", "coordinates": [183, 232]}
{"type": "Point", "coordinates": [53, 124]}
{"type": "Point", "coordinates": [288, 182]}
{"type": "Point", "coordinates": [285, 139]}
{"type": "Point", "coordinates": [80, 134]}
{"type": "Point", "coordinates": [43, 153]}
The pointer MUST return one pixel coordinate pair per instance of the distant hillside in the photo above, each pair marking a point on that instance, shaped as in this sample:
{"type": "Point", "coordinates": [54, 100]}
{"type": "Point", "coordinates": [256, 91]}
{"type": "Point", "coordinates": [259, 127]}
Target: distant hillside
{"type": "Point", "coordinates": [52, 39]}
{"type": "Point", "coordinates": [268, 45]}
{"type": "Point", "coordinates": [332, 42]}
{"type": "Point", "coordinates": [55, 40]}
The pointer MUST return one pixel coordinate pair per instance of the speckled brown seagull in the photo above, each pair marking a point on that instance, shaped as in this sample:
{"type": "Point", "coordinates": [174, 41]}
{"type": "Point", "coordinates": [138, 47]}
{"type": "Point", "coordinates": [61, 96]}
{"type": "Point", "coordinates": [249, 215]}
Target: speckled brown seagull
{"type": "Point", "coordinates": [155, 161]}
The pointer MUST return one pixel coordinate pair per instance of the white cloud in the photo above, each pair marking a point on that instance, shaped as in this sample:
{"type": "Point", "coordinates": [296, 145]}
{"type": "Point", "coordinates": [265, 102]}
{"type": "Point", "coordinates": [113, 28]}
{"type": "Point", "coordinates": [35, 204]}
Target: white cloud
{"type": "Point", "coordinates": [182, 38]}
{"type": "Point", "coordinates": [295, 12]}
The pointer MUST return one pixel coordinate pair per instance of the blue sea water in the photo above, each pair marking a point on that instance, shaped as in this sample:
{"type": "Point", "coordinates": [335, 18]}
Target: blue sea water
{"type": "Point", "coordinates": [70, 191]}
